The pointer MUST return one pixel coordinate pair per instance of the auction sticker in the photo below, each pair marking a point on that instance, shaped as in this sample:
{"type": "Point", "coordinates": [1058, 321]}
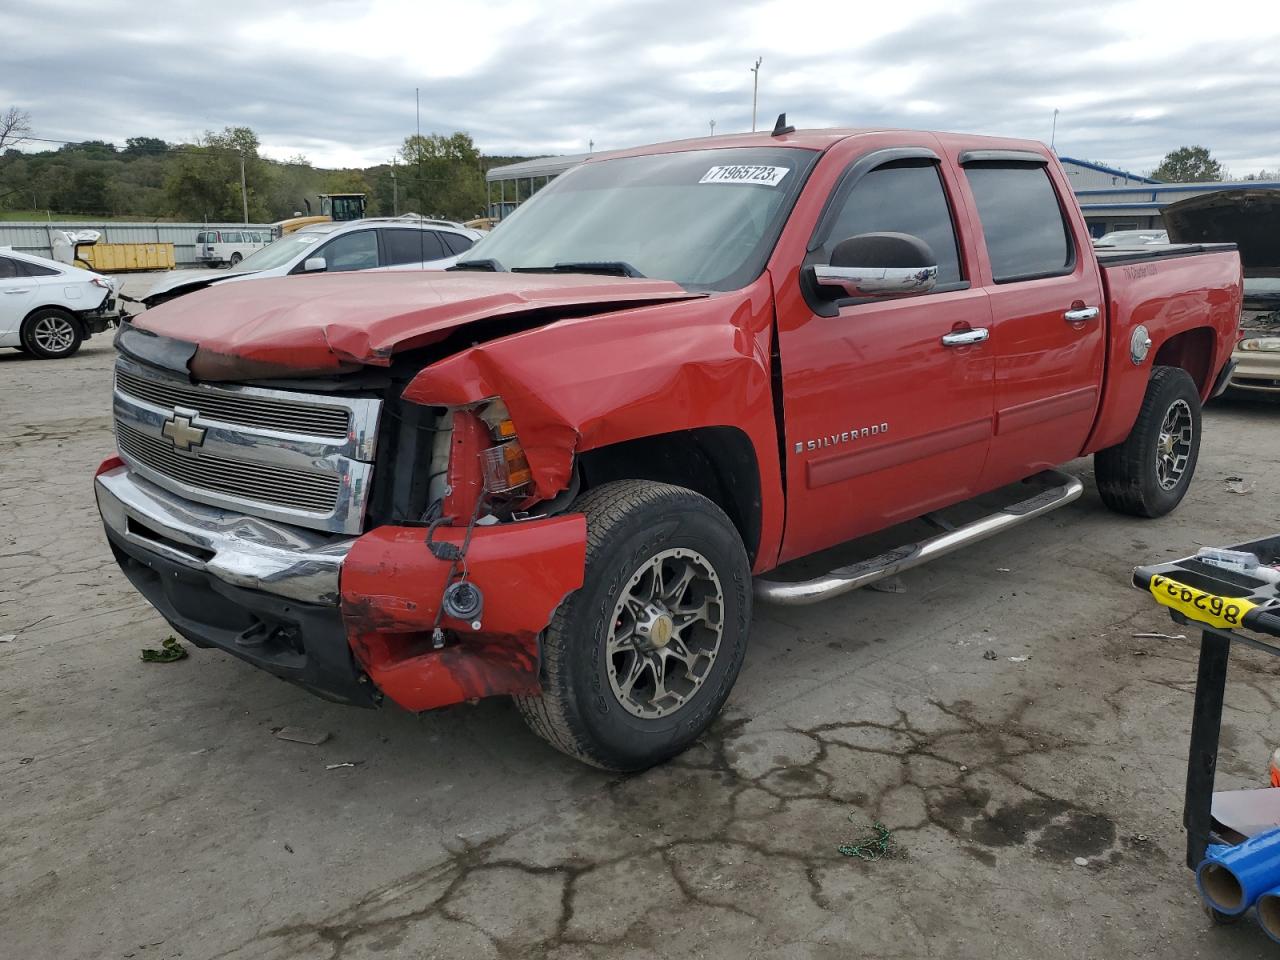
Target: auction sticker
{"type": "Point", "coordinates": [1224, 612]}
{"type": "Point", "coordinates": [746, 173]}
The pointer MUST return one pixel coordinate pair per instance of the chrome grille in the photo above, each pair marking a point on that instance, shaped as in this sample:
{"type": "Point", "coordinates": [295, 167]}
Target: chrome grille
{"type": "Point", "coordinates": [301, 458]}
{"type": "Point", "coordinates": [252, 481]}
{"type": "Point", "coordinates": [283, 415]}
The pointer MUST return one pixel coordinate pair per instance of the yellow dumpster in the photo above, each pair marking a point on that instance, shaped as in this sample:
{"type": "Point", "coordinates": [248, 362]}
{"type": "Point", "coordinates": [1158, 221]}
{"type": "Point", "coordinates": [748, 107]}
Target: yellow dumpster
{"type": "Point", "coordinates": [121, 257]}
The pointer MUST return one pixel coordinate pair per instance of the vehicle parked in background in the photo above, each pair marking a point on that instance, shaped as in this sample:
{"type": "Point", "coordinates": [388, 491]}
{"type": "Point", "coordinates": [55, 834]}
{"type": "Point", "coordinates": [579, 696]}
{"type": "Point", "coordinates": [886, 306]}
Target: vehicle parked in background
{"type": "Point", "coordinates": [1131, 238]}
{"type": "Point", "coordinates": [371, 244]}
{"type": "Point", "coordinates": [47, 308]}
{"type": "Point", "coordinates": [218, 247]}
{"type": "Point", "coordinates": [1249, 217]}
{"type": "Point", "coordinates": [561, 470]}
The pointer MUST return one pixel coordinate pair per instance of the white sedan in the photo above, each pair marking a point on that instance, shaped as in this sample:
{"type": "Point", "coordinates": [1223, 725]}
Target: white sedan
{"type": "Point", "coordinates": [47, 309]}
{"type": "Point", "coordinates": [375, 243]}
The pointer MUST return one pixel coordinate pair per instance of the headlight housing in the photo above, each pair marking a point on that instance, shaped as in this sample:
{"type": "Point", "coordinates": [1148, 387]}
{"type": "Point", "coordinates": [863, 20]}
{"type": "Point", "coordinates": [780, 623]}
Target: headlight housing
{"type": "Point", "coordinates": [1266, 344]}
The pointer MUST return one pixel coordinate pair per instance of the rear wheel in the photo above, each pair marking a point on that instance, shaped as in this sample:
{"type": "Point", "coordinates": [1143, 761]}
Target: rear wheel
{"type": "Point", "coordinates": [51, 334]}
{"type": "Point", "coordinates": [1149, 473]}
{"type": "Point", "coordinates": [637, 663]}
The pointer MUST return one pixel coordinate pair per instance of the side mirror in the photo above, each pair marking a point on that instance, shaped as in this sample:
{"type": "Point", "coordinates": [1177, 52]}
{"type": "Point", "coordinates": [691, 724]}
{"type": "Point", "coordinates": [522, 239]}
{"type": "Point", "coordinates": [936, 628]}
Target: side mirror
{"type": "Point", "coordinates": [315, 265]}
{"type": "Point", "coordinates": [878, 265]}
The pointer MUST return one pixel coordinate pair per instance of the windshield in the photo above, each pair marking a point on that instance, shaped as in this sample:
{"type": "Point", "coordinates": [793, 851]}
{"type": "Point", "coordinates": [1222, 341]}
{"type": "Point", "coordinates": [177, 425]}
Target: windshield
{"type": "Point", "coordinates": [279, 253]}
{"type": "Point", "coordinates": [707, 219]}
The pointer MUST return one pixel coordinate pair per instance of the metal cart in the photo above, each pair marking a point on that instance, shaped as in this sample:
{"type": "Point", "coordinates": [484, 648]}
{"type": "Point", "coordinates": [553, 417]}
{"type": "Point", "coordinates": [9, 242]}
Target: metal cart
{"type": "Point", "coordinates": [1227, 607]}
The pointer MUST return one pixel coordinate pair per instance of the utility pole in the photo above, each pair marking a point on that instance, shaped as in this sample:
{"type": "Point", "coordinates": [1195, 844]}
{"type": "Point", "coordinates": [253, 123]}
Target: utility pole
{"type": "Point", "coordinates": [244, 192]}
{"type": "Point", "coordinates": [755, 91]}
{"type": "Point", "coordinates": [713, 128]}
{"type": "Point", "coordinates": [1054, 133]}
{"type": "Point", "coordinates": [591, 146]}
{"type": "Point", "coordinates": [395, 190]}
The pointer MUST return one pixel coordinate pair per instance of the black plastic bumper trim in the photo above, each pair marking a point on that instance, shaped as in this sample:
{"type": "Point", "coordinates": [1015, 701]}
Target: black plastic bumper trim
{"type": "Point", "coordinates": [302, 643]}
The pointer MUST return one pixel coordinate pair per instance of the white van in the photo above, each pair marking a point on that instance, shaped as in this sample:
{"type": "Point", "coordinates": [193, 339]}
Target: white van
{"type": "Point", "coordinates": [216, 247]}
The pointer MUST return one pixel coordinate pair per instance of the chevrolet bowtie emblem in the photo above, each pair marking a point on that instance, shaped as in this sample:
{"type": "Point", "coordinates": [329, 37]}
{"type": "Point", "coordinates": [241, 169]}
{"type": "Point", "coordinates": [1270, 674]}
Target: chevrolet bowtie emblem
{"type": "Point", "coordinates": [178, 428]}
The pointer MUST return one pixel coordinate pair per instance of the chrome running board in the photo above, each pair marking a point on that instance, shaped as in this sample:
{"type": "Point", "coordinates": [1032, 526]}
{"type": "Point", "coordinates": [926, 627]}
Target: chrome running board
{"type": "Point", "coordinates": [1065, 489]}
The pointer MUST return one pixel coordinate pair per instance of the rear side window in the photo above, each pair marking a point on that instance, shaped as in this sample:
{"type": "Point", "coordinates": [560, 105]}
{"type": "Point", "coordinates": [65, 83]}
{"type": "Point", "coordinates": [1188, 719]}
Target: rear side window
{"type": "Point", "coordinates": [411, 246]}
{"type": "Point", "coordinates": [34, 269]}
{"type": "Point", "coordinates": [456, 243]}
{"type": "Point", "coordinates": [1021, 219]}
{"type": "Point", "coordinates": [8, 269]}
{"type": "Point", "coordinates": [901, 197]}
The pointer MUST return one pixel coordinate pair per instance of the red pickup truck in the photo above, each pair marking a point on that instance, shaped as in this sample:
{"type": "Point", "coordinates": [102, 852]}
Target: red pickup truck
{"type": "Point", "coordinates": [561, 470]}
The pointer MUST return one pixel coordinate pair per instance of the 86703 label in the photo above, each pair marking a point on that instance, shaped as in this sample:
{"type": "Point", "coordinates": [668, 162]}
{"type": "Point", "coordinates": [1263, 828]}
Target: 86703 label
{"type": "Point", "coordinates": [1199, 605]}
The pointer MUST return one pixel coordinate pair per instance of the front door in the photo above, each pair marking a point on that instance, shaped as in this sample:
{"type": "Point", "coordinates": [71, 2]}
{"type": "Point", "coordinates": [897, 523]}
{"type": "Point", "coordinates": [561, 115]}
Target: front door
{"type": "Point", "coordinates": [1048, 319]}
{"type": "Point", "coordinates": [17, 291]}
{"type": "Point", "coordinates": [888, 412]}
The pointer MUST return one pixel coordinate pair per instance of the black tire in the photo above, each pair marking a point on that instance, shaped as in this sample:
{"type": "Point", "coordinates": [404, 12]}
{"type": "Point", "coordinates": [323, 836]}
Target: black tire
{"type": "Point", "coordinates": [630, 523]}
{"type": "Point", "coordinates": [1129, 474]}
{"type": "Point", "coordinates": [235, 258]}
{"type": "Point", "coordinates": [51, 334]}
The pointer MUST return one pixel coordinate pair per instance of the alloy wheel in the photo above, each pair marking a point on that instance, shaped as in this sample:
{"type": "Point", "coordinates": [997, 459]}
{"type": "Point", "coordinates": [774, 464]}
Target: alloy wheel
{"type": "Point", "coordinates": [665, 634]}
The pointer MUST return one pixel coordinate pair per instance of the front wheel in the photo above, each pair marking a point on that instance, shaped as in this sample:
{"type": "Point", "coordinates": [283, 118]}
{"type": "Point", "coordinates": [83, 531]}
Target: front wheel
{"type": "Point", "coordinates": [637, 663]}
{"type": "Point", "coordinates": [235, 259]}
{"type": "Point", "coordinates": [1148, 474]}
{"type": "Point", "coordinates": [51, 334]}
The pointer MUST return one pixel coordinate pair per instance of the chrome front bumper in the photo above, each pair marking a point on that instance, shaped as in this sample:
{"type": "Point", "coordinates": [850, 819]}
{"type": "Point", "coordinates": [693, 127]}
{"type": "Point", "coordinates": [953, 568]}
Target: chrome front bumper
{"type": "Point", "coordinates": [249, 552]}
{"type": "Point", "coordinates": [1257, 371]}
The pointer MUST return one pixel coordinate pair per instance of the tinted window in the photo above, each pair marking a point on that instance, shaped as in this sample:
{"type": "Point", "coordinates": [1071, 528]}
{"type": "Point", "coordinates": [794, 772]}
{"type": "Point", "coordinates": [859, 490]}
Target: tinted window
{"type": "Point", "coordinates": [8, 269]}
{"type": "Point", "coordinates": [456, 242]}
{"type": "Point", "coordinates": [354, 251]}
{"type": "Point", "coordinates": [411, 246]}
{"type": "Point", "coordinates": [200, 237]}
{"type": "Point", "coordinates": [904, 197]}
{"type": "Point", "coordinates": [231, 238]}
{"type": "Point", "coordinates": [1021, 220]}
{"type": "Point", "coordinates": [33, 269]}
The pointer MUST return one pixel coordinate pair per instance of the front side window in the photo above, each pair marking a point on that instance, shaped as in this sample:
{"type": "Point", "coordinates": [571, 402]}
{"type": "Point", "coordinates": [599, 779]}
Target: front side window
{"type": "Point", "coordinates": [1022, 221]}
{"type": "Point", "coordinates": [706, 219]}
{"type": "Point", "coordinates": [410, 246]}
{"type": "Point", "coordinates": [901, 197]}
{"type": "Point", "coordinates": [352, 251]}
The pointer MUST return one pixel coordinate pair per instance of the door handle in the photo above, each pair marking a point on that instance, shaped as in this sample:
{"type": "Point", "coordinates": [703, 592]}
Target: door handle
{"type": "Point", "coordinates": [1084, 313]}
{"type": "Point", "coordinates": [962, 338]}
{"type": "Point", "coordinates": [19, 290]}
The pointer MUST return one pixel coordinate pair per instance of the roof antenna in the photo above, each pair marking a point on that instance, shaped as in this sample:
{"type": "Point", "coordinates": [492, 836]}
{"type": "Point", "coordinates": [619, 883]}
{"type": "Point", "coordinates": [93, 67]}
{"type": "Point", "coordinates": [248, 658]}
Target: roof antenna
{"type": "Point", "coordinates": [781, 128]}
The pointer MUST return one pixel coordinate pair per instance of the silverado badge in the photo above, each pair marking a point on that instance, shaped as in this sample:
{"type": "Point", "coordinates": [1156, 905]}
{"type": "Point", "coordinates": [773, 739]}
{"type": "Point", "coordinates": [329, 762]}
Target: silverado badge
{"type": "Point", "coordinates": [845, 436]}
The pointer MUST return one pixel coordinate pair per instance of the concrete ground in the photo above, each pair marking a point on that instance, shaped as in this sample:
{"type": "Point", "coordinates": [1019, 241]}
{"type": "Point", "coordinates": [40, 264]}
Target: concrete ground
{"type": "Point", "coordinates": [148, 811]}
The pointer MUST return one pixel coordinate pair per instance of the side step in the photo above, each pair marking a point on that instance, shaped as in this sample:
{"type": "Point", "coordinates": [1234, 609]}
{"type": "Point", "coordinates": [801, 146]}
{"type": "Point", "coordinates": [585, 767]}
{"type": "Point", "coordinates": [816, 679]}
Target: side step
{"type": "Point", "coordinates": [1065, 489]}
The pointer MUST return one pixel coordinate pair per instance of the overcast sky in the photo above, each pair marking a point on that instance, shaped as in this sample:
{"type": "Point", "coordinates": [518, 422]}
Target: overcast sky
{"type": "Point", "coordinates": [335, 79]}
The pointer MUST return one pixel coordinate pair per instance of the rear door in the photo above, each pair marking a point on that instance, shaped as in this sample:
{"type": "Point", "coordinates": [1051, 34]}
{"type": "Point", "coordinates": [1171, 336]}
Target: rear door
{"type": "Point", "coordinates": [408, 249]}
{"type": "Point", "coordinates": [1047, 313]}
{"type": "Point", "coordinates": [888, 414]}
{"type": "Point", "coordinates": [17, 291]}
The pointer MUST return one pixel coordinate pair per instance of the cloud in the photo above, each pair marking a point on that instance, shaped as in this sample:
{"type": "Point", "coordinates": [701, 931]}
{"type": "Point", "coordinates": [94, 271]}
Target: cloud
{"type": "Point", "coordinates": [335, 79]}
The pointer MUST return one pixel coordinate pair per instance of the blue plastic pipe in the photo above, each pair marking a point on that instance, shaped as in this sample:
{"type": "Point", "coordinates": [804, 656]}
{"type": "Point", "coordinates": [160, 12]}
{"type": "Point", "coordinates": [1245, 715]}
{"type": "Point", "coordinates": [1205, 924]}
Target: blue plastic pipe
{"type": "Point", "coordinates": [1269, 913]}
{"type": "Point", "coordinates": [1232, 878]}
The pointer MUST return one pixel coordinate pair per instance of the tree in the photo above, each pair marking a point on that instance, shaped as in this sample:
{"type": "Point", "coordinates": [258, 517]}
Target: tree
{"type": "Point", "coordinates": [204, 180]}
{"type": "Point", "coordinates": [441, 176]}
{"type": "Point", "coordinates": [145, 146]}
{"type": "Point", "coordinates": [1188, 165]}
{"type": "Point", "coordinates": [15, 127]}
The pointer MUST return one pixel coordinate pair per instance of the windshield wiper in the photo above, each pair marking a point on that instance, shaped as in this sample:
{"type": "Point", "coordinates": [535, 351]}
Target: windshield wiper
{"type": "Point", "coordinates": [482, 264]}
{"type": "Point", "coordinates": [610, 268]}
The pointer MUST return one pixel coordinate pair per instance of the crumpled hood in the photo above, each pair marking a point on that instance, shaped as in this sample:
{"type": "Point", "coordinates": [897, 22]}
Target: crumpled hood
{"type": "Point", "coordinates": [1248, 217]}
{"type": "Point", "coordinates": [305, 326]}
